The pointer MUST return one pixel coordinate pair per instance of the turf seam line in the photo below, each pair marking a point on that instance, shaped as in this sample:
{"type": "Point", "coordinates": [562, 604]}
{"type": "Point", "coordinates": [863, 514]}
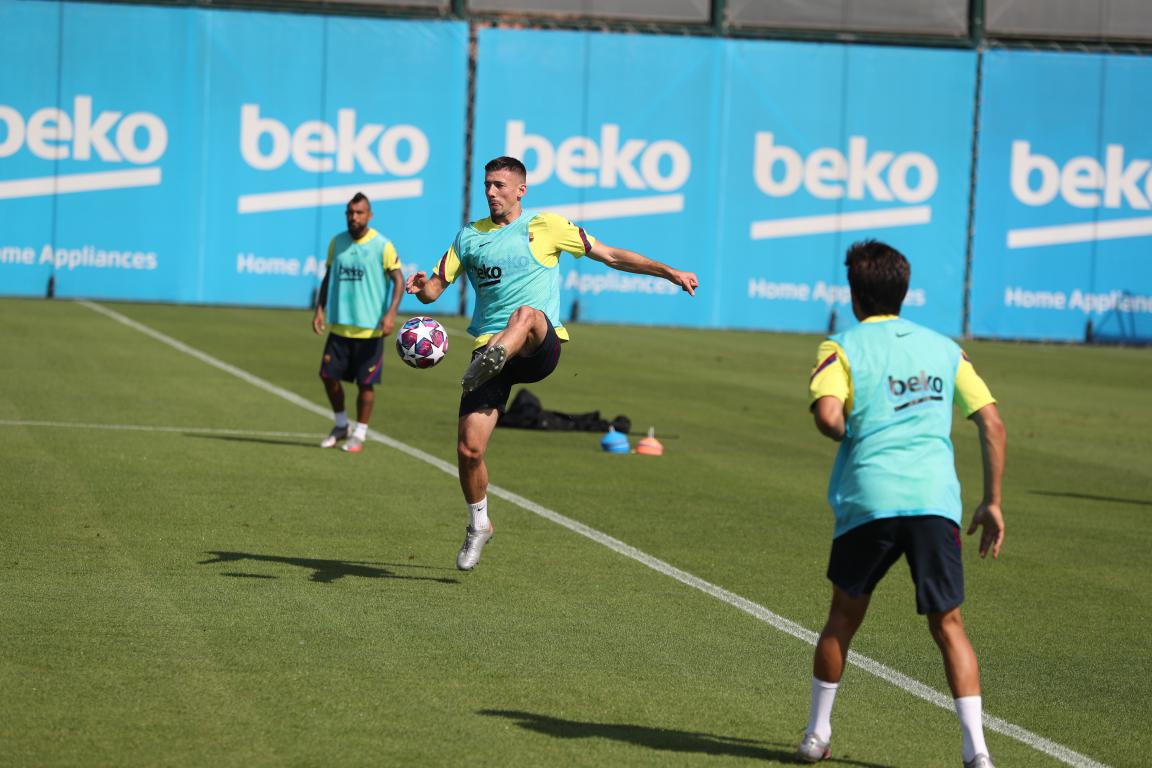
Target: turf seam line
{"type": "Point", "coordinates": [898, 679]}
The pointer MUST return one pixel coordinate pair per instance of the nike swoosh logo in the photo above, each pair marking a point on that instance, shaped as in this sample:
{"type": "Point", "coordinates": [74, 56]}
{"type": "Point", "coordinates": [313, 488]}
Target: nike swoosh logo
{"type": "Point", "coordinates": [482, 245]}
{"type": "Point", "coordinates": [902, 335]}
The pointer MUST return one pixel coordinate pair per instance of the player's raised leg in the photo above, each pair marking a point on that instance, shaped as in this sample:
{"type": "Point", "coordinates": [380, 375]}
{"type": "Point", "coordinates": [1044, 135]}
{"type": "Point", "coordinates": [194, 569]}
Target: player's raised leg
{"type": "Point", "coordinates": [473, 433]}
{"type": "Point", "coordinates": [523, 335]}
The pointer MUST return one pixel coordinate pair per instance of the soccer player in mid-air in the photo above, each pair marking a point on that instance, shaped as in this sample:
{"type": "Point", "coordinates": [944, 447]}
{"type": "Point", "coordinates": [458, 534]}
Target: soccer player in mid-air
{"type": "Point", "coordinates": [512, 259]}
{"type": "Point", "coordinates": [884, 390]}
{"type": "Point", "coordinates": [353, 297]}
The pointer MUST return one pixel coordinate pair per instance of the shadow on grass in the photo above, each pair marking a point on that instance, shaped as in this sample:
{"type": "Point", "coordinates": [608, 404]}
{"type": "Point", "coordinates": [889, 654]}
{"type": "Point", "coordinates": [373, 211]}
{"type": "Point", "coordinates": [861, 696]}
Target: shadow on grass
{"type": "Point", "coordinates": [666, 739]}
{"type": "Point", "coordinates": [261, 440]}
{"type": "Point", "coordinates": [327, 571]}
{"type": "Point", "coordinates": [1094, 497]}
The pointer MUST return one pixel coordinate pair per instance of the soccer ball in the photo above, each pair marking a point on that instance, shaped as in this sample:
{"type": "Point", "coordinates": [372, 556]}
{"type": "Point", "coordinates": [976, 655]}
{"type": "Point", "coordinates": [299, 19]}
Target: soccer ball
{"type": "Point", "coordinates": [422, 342]}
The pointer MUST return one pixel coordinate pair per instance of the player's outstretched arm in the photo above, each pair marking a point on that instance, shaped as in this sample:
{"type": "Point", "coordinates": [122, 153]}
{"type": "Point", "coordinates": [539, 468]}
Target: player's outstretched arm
{"type": "Point", "coordinates": [988, 515]}
{"type": "Point", "coordinates": [630, 261]}
{"type": "Point", "coordinates": [425, 288]}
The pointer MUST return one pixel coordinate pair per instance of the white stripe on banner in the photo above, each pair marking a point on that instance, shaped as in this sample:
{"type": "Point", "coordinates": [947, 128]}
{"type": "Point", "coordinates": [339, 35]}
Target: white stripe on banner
{"type": "Point", "coordinates": [618, 209]}
{"type": "Point", "coordinates": [841, 222]}
{"type": "Point", "coordinates": [787, 626]}
{"type": "Point", "coordinates": [80, 182]}
{"type": "Point", "coordinates": [1031, 237]}
{"type": "Point", "coordinates": [315, 197]}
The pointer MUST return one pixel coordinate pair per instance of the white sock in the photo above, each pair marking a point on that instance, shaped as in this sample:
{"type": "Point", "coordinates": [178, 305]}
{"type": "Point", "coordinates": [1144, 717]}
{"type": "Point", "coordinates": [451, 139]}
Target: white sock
{"type": "Point", "coordinates": [820, 716]}
{"type": "Point", "coordinates": [360, 431]}
{"type": "Point", "coordinates": [970, 709]}
{"type": "Point", "coordinates": [478, 514]}
{"type": "Point", "coordinates": [341, 419]}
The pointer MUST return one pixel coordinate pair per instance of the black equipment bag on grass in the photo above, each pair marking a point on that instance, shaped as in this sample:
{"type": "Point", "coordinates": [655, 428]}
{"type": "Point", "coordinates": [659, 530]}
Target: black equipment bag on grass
{"type": "Point", "coordinates": [527, 413]}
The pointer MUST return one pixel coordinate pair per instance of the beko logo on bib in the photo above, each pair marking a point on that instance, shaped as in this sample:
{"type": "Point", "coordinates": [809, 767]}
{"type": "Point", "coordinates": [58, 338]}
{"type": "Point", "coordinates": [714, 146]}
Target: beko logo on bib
{"type": "Point", "coordinates": [314, 146]}
{"type": "Point", "coordinates": [607, 161]}
{"type": "Point", "coordinates": [1117, 183]}
{"type": "Point", "coordinates": [827, 173]}
{"type": "Point", "coordinates": [83, 135]}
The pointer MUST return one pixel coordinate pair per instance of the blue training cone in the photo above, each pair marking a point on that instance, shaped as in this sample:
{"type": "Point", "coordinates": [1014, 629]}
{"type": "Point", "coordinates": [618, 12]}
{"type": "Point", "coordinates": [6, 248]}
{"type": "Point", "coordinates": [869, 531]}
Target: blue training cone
{"type": "Point", "coordinates": [614, 442]}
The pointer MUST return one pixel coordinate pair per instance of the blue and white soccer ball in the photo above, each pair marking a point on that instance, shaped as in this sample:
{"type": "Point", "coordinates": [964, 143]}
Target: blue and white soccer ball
{"type": "Point", "coordinates": [422, 342]}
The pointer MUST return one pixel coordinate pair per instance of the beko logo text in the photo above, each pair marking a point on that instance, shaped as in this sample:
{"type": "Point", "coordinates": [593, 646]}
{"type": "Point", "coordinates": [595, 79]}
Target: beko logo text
{"type": "Point", "coordinates": [83, 135]}
{"type": "Point", "coordinates": [315, 146]}
{"type": "Point", "coordinates": [1083, 181]}
{"type": "Point", "coordinates": [369, 149]}
{"type": "Point", "coordinates": [829, 174]}
{"type": "Point", "coordinates": [53, 134]}
{"type": "Point", "coordinates": [910, 177]}
{"type": "Point", "coordinates": [662, 166]}
{"type": "Point", "coordinates": [580, 161]}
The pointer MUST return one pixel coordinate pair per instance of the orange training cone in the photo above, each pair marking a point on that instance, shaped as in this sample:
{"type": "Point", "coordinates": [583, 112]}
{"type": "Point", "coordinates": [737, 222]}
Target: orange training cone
{"type": "Point", "coordinates": [650, 446]}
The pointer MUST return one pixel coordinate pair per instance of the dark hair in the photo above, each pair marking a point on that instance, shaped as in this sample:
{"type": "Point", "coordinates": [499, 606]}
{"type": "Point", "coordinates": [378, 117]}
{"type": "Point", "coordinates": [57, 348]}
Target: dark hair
{"type": "Point", "coordinates": [360, 197]}
{"type": "Point", "coordinates": [505, 163]}
{"type": "Point", "coordinates": [878, 275]}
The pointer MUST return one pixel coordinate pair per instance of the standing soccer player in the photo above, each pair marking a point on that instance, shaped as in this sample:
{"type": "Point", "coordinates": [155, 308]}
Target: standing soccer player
{"type": "Point", "coordinates": [512, 261]}
{"type": "Point", "coordinates": [361, 264]}
{"type": "Point", "coordinates": [884, 390]}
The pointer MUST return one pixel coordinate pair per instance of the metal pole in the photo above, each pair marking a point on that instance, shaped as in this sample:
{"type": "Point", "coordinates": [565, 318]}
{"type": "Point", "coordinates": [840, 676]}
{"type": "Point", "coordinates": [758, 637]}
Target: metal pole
{"type": "Point", "coordinates": [719, 24]}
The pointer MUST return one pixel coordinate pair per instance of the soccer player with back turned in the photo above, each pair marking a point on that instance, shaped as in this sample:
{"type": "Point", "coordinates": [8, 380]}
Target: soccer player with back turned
{"type": "Point", "coordinates": [353, 296]}
{"type": "Point", "coordinates": [512, 260]}
{"type": "Point", "coordinates": [884, 390]}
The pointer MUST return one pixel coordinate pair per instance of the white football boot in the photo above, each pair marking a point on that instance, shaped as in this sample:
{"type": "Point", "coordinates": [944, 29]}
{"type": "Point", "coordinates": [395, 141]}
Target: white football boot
{"type": "Point", "coordinates": [813, 750]}
{"type": "Point", "coordinates": [474, 542]}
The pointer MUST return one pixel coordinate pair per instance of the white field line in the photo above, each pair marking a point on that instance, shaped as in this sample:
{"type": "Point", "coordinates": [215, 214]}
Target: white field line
{"type": "Point", "coordinates": [147, 428]}
{"type": "Point", "coordinates": [898, 679]}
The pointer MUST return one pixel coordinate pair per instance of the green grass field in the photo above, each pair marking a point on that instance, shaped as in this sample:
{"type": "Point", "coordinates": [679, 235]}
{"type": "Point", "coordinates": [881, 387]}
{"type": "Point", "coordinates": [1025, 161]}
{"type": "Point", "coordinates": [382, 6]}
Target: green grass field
{"type": "Point", "coordinates": [185, 579]}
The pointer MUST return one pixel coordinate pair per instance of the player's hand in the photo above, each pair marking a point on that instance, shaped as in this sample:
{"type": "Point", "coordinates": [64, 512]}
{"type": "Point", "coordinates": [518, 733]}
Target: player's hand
{"type": "Point", "coordinates": [387, 323]}
{"type": "Point", "coordinates": [318, 321]}
{"type": "Point", "coordinates": [988, 517]}
{"type": "Point", "coordinates": [416, 282]}
{"type": "Point", "coordinates": [686, 280]}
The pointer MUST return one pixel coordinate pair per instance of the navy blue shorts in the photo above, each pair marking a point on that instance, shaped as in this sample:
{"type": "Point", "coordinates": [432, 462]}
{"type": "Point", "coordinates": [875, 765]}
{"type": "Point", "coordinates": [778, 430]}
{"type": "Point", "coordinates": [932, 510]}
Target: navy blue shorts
{"type": "Point", "coordinates": [931, 543]}
{"type": "Point", "coordinates": [519, 370]}
{"type": "Point", "coordinates": [357, 360]}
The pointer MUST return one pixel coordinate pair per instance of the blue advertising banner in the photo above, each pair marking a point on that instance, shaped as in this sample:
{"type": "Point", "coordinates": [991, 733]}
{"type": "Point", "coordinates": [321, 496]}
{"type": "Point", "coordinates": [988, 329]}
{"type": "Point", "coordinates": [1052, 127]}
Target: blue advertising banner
{"type": "Point", "coordinates": [1063, 198]}
{"type": "Point", "coordinates": [187, 158]}
{"type": "Point", "coordinates": [99, 148]}
{"type": "Point", "coordinates": [618, 135]}
{"type": "Point", "coordinates": [361, 105]}
{"type": "Point", "coordinates": [29, 33]}
{"type": "Point", "coordinates": [830, 144]}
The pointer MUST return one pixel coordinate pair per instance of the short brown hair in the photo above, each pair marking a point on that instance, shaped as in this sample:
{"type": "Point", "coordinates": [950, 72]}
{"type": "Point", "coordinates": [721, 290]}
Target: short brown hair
{"type": "Point", "coordinates": [878, 275]}
{"type": "Point", "coordinates": [505, 163]}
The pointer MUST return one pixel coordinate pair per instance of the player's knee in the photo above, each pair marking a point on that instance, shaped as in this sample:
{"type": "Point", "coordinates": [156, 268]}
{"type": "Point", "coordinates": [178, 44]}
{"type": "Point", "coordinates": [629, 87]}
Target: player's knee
{"type": "Point", "coordinates": [843, 624]}
{"type": "Point", "coordinates": [469, 452]}
{"type": "Point", "coordinates": [947, 626]}
{"type": "Point", "coordinates": [526, 316]}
